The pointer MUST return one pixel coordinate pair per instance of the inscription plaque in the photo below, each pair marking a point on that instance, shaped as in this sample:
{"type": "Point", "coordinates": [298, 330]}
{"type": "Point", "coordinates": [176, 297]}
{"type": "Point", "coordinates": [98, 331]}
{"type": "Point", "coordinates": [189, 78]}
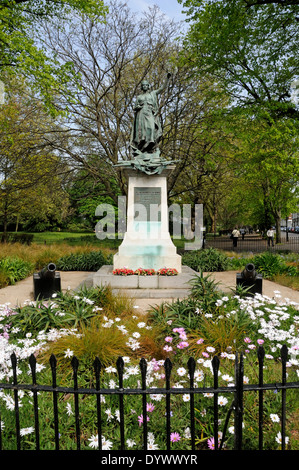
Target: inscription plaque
{"type": "Point", "coordinates": [150, 198]}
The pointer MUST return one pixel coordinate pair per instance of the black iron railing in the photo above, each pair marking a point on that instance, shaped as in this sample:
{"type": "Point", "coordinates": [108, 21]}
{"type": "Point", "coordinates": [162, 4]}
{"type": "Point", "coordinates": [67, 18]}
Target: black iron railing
{"type": "Point", "coordinates": [237, 391]}
{"type": "Point", "coordinates": [254, 244]}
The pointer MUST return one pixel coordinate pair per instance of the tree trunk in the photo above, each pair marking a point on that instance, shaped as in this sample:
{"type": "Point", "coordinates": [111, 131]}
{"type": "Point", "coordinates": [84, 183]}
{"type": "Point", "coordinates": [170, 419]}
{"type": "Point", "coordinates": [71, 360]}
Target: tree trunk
{"type": "Point", "coordinates": [17, 223]}
{"type": "Point", "coordinates": [5, 223]}
{"type": "Point", "coordinates": [278, 226]}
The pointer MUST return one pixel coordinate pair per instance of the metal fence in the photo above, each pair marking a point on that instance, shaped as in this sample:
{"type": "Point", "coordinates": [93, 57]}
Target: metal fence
{"type": "Point", "coordinates": [237, 392]}
{"type": "Point", "coordinates": [255, 244]}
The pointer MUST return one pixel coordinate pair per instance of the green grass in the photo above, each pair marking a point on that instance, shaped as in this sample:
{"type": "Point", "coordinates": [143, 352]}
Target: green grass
{"type": "Point", "coordinates": [56, 237]}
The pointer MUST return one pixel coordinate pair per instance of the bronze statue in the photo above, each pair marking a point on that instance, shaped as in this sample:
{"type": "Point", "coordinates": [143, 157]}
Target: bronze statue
{"type": "Point", "coordinates": [146, 132]}
{"type": "Point", "coordinates": [147, 128]}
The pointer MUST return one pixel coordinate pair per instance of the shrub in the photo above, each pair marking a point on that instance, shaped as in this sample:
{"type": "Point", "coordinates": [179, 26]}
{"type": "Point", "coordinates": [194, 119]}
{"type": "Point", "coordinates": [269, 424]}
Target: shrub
{"type": "Point", "coordinates": [269, 264]}
{"type": "Point", "coordinates": [208, 260]}
{"type": "Point", "coordinates": [23, 238]}
{"type": "Point", "coordinates": [91, 261]}
{"type": "Point", "coordinates": [187, 312]}
{"type": "Point", "coordinates": [68, 310]}
{"type": "Point", "coordinates": [180, 313]}
{"type": "Point", "coordinates": [13, 270]}
{"type": "Point", "coordinates": [31, 319]}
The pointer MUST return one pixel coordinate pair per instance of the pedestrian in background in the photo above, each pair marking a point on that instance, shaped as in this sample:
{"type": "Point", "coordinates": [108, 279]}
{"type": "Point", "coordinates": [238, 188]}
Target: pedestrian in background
{"type": "Point", "coordinates": [242, 232]}
{"type": "Point", "coordinates": [270, 235]}
{"type": "Point", "coordinates": [235, 235]}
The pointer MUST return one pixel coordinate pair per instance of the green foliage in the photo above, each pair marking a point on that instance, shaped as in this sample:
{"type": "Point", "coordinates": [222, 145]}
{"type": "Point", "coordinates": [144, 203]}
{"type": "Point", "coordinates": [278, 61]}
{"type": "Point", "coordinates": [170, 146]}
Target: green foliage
{"type": "Point", "coordinates": [91, 261]}
{"type": "Point", "coordinates": [268, 264]}
{"type": "Point", "coordinates": [204, 288]}
{"type": "Point", "coordinates": [187, 313]}
{"type": "Point", "coordinates": [14, 269]}
{"type": "Point", "coordinates": [31, 319]}
{"type": "Point", "coordinates": [208, 260]}
{"type": "Point", "coordinates": [255, 71]}
{"type": "Point", "coordinates": [251, 51]}
{"type": "Point", "coordinates": [66, 310]}
{"type": "Point", "coordinates": [20, 39]}
{"type": "Point", "coordinates": [181, 313]}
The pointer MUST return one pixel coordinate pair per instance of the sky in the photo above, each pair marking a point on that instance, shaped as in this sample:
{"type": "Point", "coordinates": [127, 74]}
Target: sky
{"type": "Point", "coordinates": [171, 8]}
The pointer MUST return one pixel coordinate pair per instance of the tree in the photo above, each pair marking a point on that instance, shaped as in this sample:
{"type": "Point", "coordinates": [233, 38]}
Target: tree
{"type": "Point", "coordinates": [249, 48]}
{"type": "Point", "coordinates": [110, 60]}
{"type": "Point", "coordinates": [268, 157]}
{"type": "Point", "coordinates": [251, 51]}
{"type": "Point", "coordinates": [85, 195]}
{"type": "Point", "coordinates": [21, 36]}
{"type": "Point", "coordinates": [29, 171]}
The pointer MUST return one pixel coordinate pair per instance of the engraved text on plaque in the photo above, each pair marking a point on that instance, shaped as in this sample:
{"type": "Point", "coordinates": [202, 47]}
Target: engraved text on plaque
{"type": "Point", "coordinates": [150, 198]}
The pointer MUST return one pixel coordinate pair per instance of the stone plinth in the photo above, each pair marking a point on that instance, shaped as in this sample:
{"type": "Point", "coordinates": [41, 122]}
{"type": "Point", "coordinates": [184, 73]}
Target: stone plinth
{"type": "Point", "coordinates": [147, 286]}
{"type": "Point", "coordinates": [147, 242]}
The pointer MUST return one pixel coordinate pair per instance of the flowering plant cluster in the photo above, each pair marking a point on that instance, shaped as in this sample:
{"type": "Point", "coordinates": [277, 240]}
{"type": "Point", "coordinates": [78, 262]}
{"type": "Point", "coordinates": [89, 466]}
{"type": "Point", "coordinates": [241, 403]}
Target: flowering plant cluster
{"type": "Point", "coordinates": [145, 272]}
{"type": "Point", "coordinates": [167, 272]}
{"type": "Point", "coordinates": [123, 272]}
{"type": "Point", "coordinates": [263, 321]}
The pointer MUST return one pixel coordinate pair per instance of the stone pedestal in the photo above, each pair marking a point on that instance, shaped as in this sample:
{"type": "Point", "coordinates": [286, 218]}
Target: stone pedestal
{"type": "Point", "coordinates": [155, 287]}
{"type": "Point", "coordinates": [147, 242]}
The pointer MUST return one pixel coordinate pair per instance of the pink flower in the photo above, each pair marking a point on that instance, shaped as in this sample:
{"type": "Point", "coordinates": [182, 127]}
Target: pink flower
{"type": "Point", "coordinates": [150, 407]}
{"type": "Point", "coordinates": [178, 330]}
{"type": "Point", "coordinates": [182, 345]}
{"type": "Point", "coordinates": [168, 339]}
{"type": "Point", "coordinates": [155, 365]}
{"type": "Point", "coordinates": [260, 341]}
{"type": "Point", "coordinates": [205, 354]}
{"type": "Point", "coordinates": [200, 341]}
{"type": "Point", "coordinates": [175, 437]}
{"type": "Point", "coordinates": [140, 419]}
{"type": "Point", "coordinates": [247, 340]}
{"type": "Point", "coordinates": [211, 443]}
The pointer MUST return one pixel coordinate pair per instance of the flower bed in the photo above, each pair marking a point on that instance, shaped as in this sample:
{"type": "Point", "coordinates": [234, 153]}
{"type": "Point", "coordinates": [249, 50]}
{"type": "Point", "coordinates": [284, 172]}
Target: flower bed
{"type": "Point", "coordinates": [167, 272]}
{"type": "Point", "coordinates": [123, 272]}
{"type": "Point", "coordinates": [145, 272]}
{"type": "Point", "coordinates": [179, 330]}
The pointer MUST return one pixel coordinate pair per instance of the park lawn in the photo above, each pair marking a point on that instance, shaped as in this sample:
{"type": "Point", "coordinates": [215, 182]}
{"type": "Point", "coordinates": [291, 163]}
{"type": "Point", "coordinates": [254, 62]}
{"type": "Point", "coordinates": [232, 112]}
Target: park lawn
{"type": "Point", "coordinates": [57, 237]}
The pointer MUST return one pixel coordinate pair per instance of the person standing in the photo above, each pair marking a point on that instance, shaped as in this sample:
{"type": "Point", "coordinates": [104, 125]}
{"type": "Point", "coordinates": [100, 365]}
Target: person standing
{"type": "Point", "coordinates": [235, 236]}
{"type": "Point", "coordinates": [242, 232]}
{"type": "Point", "coordinates": [270, 235]}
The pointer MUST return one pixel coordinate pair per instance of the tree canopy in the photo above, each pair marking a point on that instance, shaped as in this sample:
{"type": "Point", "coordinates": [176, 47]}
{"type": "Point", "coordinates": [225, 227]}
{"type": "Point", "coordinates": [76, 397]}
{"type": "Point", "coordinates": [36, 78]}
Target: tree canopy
{"type": "Point", "coordinates": [71, 71]}
{"type": "Point", "coordinates": [250, 47]}
{"type": "Point", "coordinates": [21, 37]}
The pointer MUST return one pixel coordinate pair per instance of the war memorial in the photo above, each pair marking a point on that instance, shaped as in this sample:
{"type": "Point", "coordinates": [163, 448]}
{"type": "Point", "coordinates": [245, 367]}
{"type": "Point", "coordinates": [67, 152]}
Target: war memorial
{"type": "Point", "coordinates": [147, 243]}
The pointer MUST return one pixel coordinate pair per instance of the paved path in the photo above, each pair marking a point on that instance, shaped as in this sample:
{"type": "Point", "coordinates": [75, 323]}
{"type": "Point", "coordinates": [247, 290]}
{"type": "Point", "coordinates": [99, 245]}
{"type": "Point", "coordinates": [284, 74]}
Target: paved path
{"type": "Point", "coordinates": [23, 290]}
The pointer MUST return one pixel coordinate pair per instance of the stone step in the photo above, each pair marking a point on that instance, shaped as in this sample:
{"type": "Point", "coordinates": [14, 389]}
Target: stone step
{"type": "Point", "coordinates": [154, 293]}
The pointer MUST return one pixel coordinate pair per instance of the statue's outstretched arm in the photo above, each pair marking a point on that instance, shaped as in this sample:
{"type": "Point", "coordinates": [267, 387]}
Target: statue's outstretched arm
{"type": "Point", "coordinates": [165, 84]}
